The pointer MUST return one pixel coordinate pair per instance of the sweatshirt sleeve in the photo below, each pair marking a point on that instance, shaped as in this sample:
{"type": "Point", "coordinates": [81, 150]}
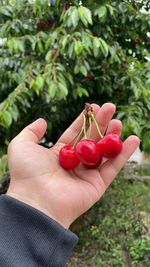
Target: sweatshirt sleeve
{"type": "Point", "coordinates": [30, 238]}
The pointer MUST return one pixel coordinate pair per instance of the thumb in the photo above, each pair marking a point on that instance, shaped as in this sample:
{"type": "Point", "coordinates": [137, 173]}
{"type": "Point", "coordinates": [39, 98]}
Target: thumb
{"type": "Point", "coordinates": [33, 132]}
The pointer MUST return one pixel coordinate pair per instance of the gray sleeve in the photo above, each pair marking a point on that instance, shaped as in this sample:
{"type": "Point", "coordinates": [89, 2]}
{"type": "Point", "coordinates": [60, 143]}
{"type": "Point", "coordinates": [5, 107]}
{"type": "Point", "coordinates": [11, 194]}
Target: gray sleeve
{"type": "Point", "coordinates": [29, 238]}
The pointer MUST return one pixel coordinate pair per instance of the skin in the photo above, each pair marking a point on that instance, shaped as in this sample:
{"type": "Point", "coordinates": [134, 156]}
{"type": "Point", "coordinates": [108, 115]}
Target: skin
{"type": "Point", "coordinates": [38, 180]}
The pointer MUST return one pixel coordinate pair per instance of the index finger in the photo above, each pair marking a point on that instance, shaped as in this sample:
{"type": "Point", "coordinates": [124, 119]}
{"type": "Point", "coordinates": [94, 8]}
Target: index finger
{"type": "Point", "coordinates": [75, 127]}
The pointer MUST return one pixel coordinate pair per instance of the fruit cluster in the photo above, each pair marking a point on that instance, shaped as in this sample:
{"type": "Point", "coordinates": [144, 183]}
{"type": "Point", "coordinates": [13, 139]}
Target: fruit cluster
{"type": "Point", "coordinates": [87, 151]}
{"type": "Point", "coordinates": [45, 25]}
{"type": "Point", "coordinates": [89, 77]}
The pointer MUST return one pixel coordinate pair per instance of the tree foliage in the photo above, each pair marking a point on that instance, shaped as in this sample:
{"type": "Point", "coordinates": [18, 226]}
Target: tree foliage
{"type": "Point", "coordinates": [55, 55]}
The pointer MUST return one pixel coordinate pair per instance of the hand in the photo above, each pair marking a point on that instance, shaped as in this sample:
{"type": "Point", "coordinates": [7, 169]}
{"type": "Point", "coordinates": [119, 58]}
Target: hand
{"type": "Point", "coordinates": [38, 180]}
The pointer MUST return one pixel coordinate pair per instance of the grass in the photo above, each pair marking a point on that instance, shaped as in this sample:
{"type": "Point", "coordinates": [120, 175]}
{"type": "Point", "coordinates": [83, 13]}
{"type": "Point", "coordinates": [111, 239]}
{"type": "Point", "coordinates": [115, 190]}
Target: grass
{"type": "Point", "coordinates": [116, 231]}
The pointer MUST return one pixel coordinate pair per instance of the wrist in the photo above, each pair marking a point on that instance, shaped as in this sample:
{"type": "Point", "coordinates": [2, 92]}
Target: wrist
{"type": "Point", "coordinates": [39, 206]}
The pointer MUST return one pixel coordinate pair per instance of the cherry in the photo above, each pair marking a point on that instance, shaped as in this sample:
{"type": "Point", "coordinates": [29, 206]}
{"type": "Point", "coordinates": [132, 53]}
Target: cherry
{"type": "Point", "coordinates": [87, 152]}
{"type": "Point", "coordinates": [67, 158]}
{"type": "Point", "coordinates": [110, 145]}
{"type": "Point", "coordinates": [39, 24]}
{"type": "Point", "coordinates": [89, 77]}
{"type": "Point", "coordinates": [94, 166]}
{"type": "Point", "coordinates": [47, 25]}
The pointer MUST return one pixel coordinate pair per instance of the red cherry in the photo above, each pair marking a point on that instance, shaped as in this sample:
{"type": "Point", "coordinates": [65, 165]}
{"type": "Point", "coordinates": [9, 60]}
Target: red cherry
{"type": "Point", "coordinates": [87, 152]}
{"type": "Point", "coordinates": [110, 145]}
{"type": "Point", "coordinates": [94, 166]}
{"type": "Point", "coordinates": [47, 25]}
{"type": "Point", "coordinates": [67, 158]}
{"type": "Point", "coordinates": [39, 24]}
{"type": "Point", "coordinates": [89, 77]}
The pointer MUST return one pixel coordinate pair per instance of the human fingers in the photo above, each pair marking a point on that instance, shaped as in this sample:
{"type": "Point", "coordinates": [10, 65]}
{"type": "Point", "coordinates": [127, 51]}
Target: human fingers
{"type": "Point", "coordinates": [103, 117]}
{"type": "Point", "coordinates": [33, 132]}
{"type": "Point", "coordinates": [111, 167]}
{"type": "Point", "coordinates": [114, 126]}
{"type": "Point", "coordinates": [75, 127]}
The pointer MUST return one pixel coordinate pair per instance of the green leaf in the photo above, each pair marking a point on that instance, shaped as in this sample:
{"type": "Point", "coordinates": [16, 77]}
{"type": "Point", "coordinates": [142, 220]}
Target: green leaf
{"type": "Point", "coordinates": [5, 11]}
{"type": "Point", "coordinates": [76, 69]}
{"type": "Point", "coordinates": [40, 47]}
{"type": "Point", "coordinates": [63, 89]}
{"type": "Point", "coordinates": [14, 112]}
{"type": "Point", "coordinates": [52, 90]}
{"type": "Point", "coordinates": [103, 46]}
{"type": "Point", "coordinates": [70, 78]}
{"type": "Point", "coordinates": [75, 18]}
{"type": "Point", "coordinates": [31, 83]}
{"type": "Point", "coordinates": [96, 45]}
{"type": "Point", "coordinates": [71, 50]}
{"type": "Point", "coordinates": [16, 45]}
{"type": "Point", "coordinates": [49, 56]}
{"type": "Point", "coordinates": [38, 84]}
{"type": "Point", "coordinates": [3, 166]}
{"type": "Point", "coordinates": [83, 70]}
{"type": "Point", "coordinates": [111, 9]}
{"type": "Point", "coordinates": [146, 142]}
{"type": "Point", "coordinates": [96, 42]}
{"type": "Point", "coordinates": [85, 15]}
{"type": "Point", "coordinates": [120, 115]}
{"type": "Point", "coordinates": [78, 48]}
{"type": "Point", "coordinates": [40, 81]}
{"type": "Point", "coordinates": [79, 92]}
{"type": "Point", "coordinates": [21, 46]}
{"type": "Point", "coordinates": [82, 92]}
{"type": "Point", "coordinates": [7, 118]}
{"type": "Point", "coordinates": [58, 2]}
{"type": "Point", "coordinates": [102, 11]}
{"type": "Point", "coordinates": [64, 41]}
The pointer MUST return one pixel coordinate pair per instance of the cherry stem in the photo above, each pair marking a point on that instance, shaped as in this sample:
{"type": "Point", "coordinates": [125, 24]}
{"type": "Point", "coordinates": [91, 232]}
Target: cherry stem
{"type": "Point", "coordinates": [83, 130]}
{"type": "Point", "coordinates": [78, 137]}
{"type": "Point", "coordinates": [90, 127]}
{"type": "Point", "coordinates": [98, 129]}
{"type": "Point", "coordinates": [88, 118]}
{"type": "Point", "coordinates": [84, 126]}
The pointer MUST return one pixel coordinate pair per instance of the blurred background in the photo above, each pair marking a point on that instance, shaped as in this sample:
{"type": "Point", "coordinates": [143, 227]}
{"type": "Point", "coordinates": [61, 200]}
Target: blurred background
{"type": "Point", "coordinates": [57, 55]}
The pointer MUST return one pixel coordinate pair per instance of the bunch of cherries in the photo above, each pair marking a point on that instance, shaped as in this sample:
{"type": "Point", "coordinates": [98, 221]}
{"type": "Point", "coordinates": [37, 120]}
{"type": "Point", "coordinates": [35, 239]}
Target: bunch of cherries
{"type": "Point", "coordinates": [87, 151]}
{"type": "Point", "coordinates": [51, 23]}
{"type": "Point", "coordinates": [45, 25]}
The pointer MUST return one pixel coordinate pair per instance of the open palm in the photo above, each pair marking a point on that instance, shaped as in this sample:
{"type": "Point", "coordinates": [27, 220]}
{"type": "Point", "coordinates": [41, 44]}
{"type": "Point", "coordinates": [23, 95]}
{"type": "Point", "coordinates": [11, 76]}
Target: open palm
{"type": "Point", "coordinates": [38, 180]}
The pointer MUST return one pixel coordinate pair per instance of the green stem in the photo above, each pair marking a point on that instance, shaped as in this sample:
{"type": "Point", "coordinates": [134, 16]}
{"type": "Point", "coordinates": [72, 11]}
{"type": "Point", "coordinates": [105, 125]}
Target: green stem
{"type": "Point", "coordinates": [83, 130]}
{"type": "Point", "coordinates": [78, 137]}
{"type": "Point", "coordinates": [98, 129]}
{"type": "Point", "coordinates": [90, 126]}
{"type": "Point", "coordinates": [84, 126]}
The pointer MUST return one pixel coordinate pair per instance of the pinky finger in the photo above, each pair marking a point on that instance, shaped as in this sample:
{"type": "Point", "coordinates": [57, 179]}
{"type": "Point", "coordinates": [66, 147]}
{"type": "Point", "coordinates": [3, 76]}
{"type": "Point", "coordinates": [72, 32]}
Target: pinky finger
{"type": "Point", "coordinates": [111, 168]}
